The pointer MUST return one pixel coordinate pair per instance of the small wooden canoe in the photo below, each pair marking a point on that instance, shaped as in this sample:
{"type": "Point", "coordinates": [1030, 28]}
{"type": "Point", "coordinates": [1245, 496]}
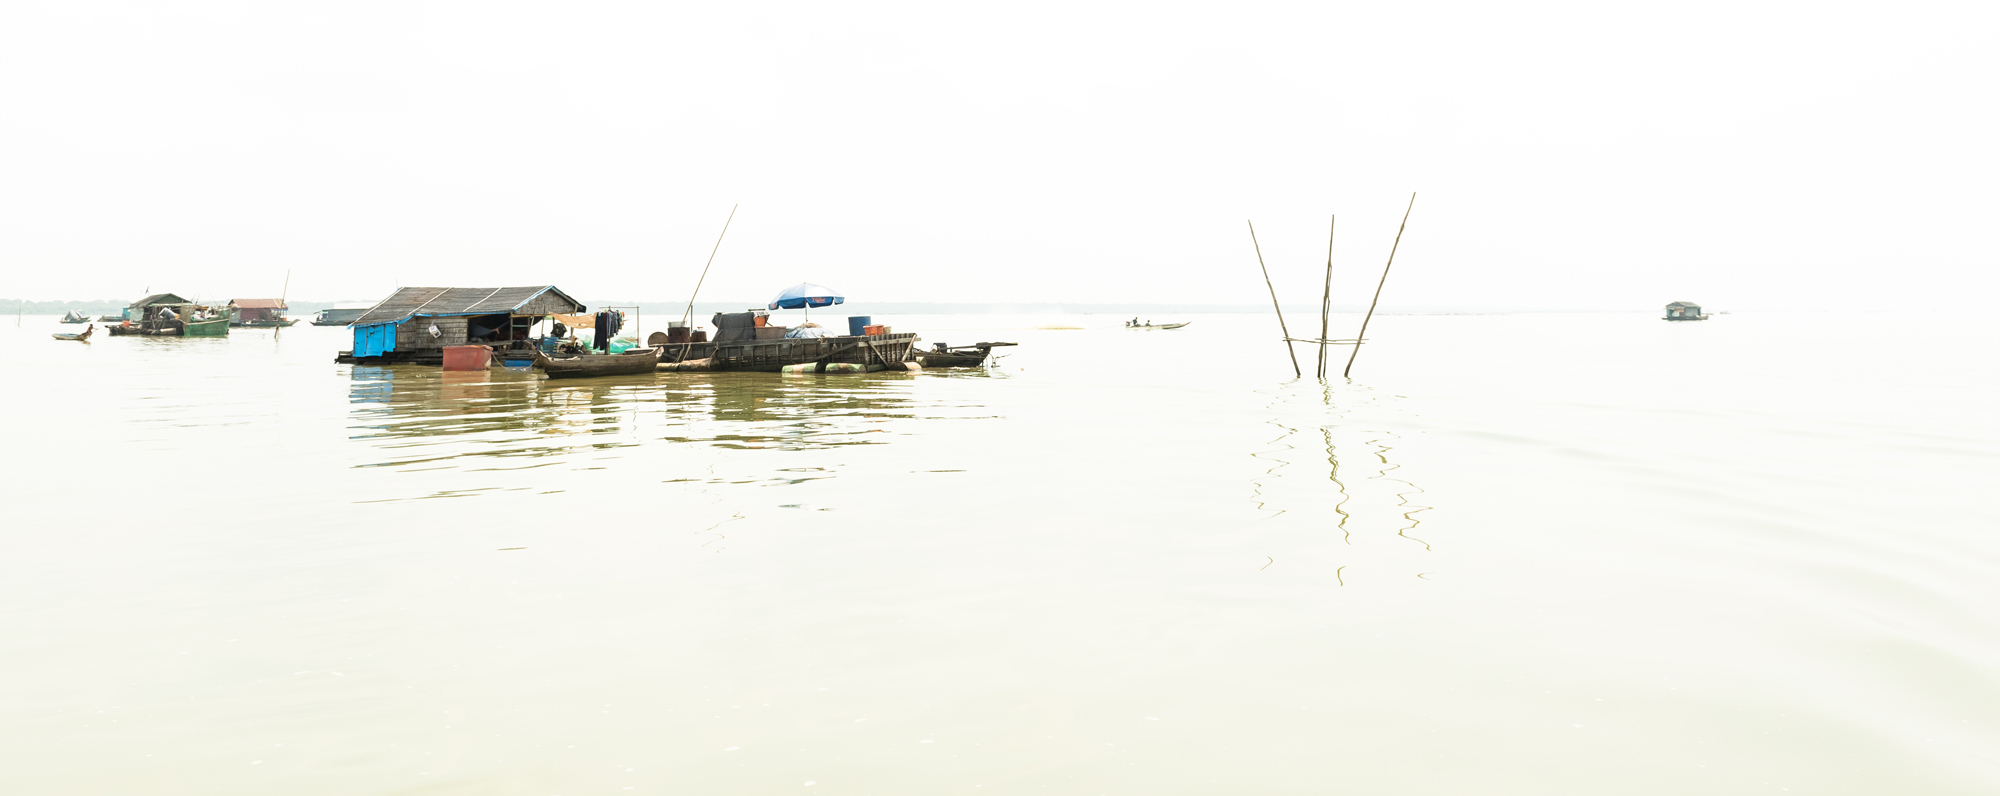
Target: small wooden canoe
{"type": "Point", "coordinates": [81, 337]}
{"type": "Point", "coordinates": [638, 360]}
{"type": "Point", "coordinates": [1162, 326]}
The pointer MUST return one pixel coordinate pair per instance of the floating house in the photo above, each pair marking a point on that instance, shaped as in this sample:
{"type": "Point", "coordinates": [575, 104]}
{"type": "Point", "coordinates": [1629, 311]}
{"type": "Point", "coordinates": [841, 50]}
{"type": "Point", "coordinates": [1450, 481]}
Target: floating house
{"type": "Point", "coordinates": [339, 315]}
{"type": "Point", "coordinates": [258, 313]}
{"type": "Point", "coordinates": [1685, 311]}
{"type": "Point", "coordinates": [168, 315]}
{"type": "Point", "coordinates": [415, 324]}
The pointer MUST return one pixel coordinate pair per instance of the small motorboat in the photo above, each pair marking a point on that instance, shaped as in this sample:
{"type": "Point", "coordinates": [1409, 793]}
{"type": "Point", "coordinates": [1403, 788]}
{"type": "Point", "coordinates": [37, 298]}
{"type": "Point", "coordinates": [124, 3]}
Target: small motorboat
{"type": "Point", "coordinates": [637, 360]}
{"type": "Point", "coordinates": [1149, 325]}
{"type": "Point", "coordinates": [948, 356]}
{"type": "Point", "coordinates": [80, 337]}
{"type": "Point", "coordinates": [75, 317]}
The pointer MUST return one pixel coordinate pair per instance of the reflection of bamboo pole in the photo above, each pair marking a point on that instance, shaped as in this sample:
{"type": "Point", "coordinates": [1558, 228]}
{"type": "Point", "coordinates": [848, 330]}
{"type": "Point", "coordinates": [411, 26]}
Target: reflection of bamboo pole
{"type": "Point", "coordinates": [1326, 297]}
{"type": "Point", "coordinates": [1274, 301]}
{"type": "Point", "coordinates": [1378, 286]}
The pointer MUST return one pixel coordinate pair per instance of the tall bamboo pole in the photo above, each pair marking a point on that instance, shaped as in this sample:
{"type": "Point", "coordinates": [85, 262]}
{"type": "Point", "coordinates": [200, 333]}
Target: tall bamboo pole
{"type": "Point", "coordinates": [1274, 301]}
{"type": "Point", "coordinates": [687, 318]}
{"type": "Point", "coordinates": [1326, 297]}
{"type": "Point", "coordinates": [1378, 286]}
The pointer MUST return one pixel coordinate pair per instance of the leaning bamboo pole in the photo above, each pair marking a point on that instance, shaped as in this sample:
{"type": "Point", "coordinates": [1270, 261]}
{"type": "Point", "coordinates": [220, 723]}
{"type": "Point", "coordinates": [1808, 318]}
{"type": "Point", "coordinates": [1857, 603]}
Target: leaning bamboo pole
{"type": "Point", "coordinates": [1326, 297]}
{"type": "Point", "coordinates": [1378, 286]}
{"type": "Point", "coordinates": [687, 318]}
{"type": "Point", "coordinates": [1274, 301]}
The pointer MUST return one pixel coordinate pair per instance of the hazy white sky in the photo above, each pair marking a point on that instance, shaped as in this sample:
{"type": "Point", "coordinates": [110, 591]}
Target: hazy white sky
{"type": "Point", "coordinates": [1588, 155]}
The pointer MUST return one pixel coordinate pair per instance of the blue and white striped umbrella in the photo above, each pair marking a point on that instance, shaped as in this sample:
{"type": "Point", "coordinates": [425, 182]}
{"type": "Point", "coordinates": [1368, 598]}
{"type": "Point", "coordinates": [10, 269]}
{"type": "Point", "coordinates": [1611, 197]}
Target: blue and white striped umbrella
{"type": "Point", "coordinates": [806, 294]}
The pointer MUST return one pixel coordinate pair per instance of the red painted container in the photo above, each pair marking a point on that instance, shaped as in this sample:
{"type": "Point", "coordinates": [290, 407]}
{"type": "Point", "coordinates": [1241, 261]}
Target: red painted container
{"type": "Point", "coordinates": [467, 357]}
{"type": "Point", "coordinates": [875, 329]}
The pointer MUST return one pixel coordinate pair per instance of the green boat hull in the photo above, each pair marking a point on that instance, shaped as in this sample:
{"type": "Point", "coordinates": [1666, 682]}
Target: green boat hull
{"type": "Point", "coordinates": [218, 327]}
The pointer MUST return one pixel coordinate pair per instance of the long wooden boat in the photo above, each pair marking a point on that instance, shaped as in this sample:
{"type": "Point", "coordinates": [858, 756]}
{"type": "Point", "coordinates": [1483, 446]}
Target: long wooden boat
{"type": "Point", "coordinates": [80, 337]}
{"type": "Point", "coordinates": [640, 360]}
{"type": "Point", "coordinates": [963, 356]}
{"type": "Point", "coordinates": [1161, 326]}
{"type": "Point", "coordinates": [871, 352]}
{"type": "Point", "coordinates": [278, 323]}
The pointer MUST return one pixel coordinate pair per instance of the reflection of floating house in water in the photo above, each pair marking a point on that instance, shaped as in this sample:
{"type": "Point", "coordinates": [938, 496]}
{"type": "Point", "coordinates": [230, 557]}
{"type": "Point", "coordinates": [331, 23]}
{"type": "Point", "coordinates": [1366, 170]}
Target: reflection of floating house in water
{"type": "Point", "coordinates": [415, 324]}
{"type": "Point", "coordinates": [1685, 311]}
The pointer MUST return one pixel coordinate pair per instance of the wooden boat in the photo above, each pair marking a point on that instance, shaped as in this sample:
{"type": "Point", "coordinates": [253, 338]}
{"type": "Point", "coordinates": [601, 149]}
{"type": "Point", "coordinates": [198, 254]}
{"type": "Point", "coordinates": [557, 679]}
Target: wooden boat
{"type": "Point", "coordinates": [1161, 326]}
{"type": "Point", "coordinates": [872, 352]}
{"type": "Point", "coordinates": [75, 317]}
{"type": "Point", "coordinates": [964, 356]}
{"type": "Point", "coordinates": [110, 319]}
{"type": "Point", "coordinates": [638, 360]}
{"type": "Point", "coordinates": [275, 323]}
{"type": "Point", "coordinates": [81, 337]}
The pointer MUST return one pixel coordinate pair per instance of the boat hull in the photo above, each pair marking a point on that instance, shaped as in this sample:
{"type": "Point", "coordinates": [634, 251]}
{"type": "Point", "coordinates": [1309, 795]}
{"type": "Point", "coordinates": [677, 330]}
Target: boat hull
{"type": "Point", "coordinates": [593, 365]}
{"type": "Point", "coordinates": [878, 351]}
{"type": "Point", "coordinates": [218, 327]}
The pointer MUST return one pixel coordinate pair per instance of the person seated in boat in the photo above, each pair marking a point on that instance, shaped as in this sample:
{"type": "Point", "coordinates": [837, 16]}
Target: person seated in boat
{"type": "Point", "coordinates": [1135, 321]}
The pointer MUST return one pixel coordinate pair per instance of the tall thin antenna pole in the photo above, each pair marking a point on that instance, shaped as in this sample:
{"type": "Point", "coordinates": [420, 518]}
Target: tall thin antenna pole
{"type": "Point", "coordinates": [1378, 286]}
{"type": "Point", "coordinates": [288, 286]}
{"type": "Point", "coordinates": [687, 318]}
{"type": "Point", "coordinates": [1274, 301]}
{"type": "Point", "coordinates": [1326, 296]}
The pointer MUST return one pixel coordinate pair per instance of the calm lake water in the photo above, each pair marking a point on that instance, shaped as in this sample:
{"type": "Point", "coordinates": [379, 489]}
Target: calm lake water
{"type": "Point", "coordinates": [1519, 554]}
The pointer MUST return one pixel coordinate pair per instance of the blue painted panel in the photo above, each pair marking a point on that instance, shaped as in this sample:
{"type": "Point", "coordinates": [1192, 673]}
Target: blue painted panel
{"type": "Point", "coordinates": [374, 340]}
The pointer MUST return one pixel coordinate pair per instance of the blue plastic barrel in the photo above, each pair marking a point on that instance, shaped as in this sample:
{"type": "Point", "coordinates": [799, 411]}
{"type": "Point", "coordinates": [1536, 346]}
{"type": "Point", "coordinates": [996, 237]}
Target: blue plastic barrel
{"type": "Point", "coordinates": [856, 324]}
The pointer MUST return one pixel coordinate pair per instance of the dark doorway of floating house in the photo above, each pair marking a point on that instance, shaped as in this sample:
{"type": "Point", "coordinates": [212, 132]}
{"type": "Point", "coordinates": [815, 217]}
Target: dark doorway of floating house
{"type": "Point", "coordinates": [488, 328]}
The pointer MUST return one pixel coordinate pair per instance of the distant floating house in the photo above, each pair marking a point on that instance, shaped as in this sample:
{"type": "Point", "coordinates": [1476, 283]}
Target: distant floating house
{"type": "Point", "coordinates": [258, 312]}
{"type": "Point", "coordinates": [337, 316]}
{"type": "Point", "coordinates": [1685, 311]}
{"type": "Point", "coordinates": [415, 324]}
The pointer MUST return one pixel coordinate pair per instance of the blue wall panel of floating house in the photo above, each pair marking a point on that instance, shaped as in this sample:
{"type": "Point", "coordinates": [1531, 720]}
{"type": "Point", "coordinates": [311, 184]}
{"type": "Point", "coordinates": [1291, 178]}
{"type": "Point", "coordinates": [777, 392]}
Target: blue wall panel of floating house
{"type": "Point", "coordinates": [374, 340]}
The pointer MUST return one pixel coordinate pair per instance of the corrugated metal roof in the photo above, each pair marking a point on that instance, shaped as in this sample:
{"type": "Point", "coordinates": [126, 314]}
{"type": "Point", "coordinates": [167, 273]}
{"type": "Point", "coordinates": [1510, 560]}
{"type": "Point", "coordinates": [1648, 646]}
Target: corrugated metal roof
{"type": "Point", "coordinates": [455, 301]}
{"type": "Point", "coordinates": [160, 298]}
{"type": "Point", "coordinates": [258, 304]}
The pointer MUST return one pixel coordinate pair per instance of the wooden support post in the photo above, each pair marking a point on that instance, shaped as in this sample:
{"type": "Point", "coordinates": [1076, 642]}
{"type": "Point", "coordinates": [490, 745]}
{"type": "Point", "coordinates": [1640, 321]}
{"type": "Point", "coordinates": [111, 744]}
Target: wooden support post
{"type": "Point", "coordinates": [1378, 286]}
{"type": "Point", "coordinates": [1326, 298]}
{"type": "Point", "coordinates": [1274, 302]}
